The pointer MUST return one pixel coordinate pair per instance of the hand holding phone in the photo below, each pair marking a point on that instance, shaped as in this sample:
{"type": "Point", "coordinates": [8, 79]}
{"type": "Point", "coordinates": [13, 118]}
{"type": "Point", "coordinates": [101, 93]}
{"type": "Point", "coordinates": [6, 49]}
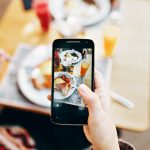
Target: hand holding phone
{"type": "Point", "coordinates": [72, 65]}
{"type": "Point", "coordinates": [101, 130]}
{"type": "Point", "coordinates": [100, 123]}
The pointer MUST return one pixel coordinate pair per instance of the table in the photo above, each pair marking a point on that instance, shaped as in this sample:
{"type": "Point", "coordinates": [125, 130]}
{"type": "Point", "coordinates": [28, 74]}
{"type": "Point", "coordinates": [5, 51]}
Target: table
{"type": "Point", "coordinates": [130, 70]}
{"type": "Point", "coordinates": [31, 37]}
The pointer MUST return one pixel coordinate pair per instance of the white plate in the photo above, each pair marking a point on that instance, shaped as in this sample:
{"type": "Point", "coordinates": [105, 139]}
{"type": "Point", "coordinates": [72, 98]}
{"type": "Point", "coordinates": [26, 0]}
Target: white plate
{"type": "Point", "coordinates": [35, 57]}
{"type": "Point", "coordinates": [71, 51]}
{"type": "Point", "coordinates": [57, 94]}
{"type": "Point", "coordinates": [81, 11]}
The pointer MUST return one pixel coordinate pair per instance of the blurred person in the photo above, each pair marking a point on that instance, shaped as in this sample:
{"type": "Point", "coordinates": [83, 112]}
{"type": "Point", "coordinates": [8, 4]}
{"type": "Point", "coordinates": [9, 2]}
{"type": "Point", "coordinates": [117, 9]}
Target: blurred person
{"type": "Point", "coordinates": [84, 54]}
{"type": "Point", "coordinates": [100, 130]}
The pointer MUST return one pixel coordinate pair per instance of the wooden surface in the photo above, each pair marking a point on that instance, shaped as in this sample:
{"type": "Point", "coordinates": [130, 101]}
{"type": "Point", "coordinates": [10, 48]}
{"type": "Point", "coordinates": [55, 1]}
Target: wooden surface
{"type": "Point", "coordinates": [19, 26]}
{"type": "Point", "coordinates": [3, 6]}
{"type": "Point", "coordinates": [130, 73]}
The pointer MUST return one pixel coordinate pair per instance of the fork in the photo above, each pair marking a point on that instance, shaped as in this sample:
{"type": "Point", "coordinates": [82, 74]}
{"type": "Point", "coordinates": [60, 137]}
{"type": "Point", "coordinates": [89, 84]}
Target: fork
{"type": "Point", "coordinates": [6, 57]}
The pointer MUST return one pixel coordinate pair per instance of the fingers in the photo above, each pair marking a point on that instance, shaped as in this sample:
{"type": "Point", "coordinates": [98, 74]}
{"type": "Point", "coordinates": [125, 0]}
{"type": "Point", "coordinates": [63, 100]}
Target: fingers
{"type": "Point", "coordinates": [87, 133]}
{"type": "Point", "coordinates": [49, 97]}
{"type": "Point", "coordinates": [89, 98]}
{"type": "Point", "coordinates": [98, 80]}
{"type": "Point", "coordinates": [100, 85]}
{"type": "Point", "coordinates": [101, 90]}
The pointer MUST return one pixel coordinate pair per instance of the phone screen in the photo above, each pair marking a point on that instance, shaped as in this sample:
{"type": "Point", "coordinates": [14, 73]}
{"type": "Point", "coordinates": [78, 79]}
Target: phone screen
{"type": "Point", "coordinates": [72, 66]}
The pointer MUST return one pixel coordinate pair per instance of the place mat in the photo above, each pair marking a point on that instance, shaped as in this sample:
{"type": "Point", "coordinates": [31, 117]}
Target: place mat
{"type": "Point", "coordinates": [9, 89]}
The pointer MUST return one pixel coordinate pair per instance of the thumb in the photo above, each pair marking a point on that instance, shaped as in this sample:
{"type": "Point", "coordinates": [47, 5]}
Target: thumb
{"type": "Point", "coordinates": [89, 98]}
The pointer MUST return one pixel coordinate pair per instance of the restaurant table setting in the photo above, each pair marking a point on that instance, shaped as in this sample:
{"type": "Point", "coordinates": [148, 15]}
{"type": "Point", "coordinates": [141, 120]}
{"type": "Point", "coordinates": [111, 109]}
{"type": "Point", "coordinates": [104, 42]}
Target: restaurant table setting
{"type": "Point", "coordinates": [18, 81]}
{"type": "Point", "coordinates": [25, 83]}
{"type": "Point", "coordinates": [22, 74]}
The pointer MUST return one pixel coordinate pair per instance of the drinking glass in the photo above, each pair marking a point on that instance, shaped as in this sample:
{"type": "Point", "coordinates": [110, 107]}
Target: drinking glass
{"type": "Point", "coordinates": [43, 14]}
{"type": "Point", "coordinates": [27, 4]}
{"type": "Point", "coordinates": [110, 39]}
{"type": "Point", "coordinates": [84, 67]}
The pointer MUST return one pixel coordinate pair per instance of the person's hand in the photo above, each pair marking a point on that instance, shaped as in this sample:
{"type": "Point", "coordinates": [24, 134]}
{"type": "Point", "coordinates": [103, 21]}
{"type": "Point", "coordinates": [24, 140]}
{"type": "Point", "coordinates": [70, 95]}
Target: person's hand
{"type": "Point", "coordinates": [101, 130]}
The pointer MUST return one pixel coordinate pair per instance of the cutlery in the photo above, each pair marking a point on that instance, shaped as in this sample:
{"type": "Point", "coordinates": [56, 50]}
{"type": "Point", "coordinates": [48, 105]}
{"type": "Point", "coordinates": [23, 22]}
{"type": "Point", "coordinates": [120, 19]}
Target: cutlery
{"type": "Point", "coordinates": [6, 57]}
{"type": "Point", "coordinates": [74, 86]}
{"type": "Point", "coordinates": [122, 100]}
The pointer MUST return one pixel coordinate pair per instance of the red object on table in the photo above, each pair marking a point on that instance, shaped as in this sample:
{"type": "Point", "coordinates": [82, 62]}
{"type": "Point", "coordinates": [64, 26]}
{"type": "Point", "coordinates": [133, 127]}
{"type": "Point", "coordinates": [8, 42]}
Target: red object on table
{"type": "Point", "coordinates": [43, 13]}
{"type": "Point", "coordinates": [56, 58]}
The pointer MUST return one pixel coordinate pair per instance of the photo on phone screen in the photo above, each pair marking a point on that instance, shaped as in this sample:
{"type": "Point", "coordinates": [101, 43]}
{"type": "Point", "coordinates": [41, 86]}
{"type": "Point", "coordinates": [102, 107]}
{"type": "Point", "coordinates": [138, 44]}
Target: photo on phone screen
{"type": "Point", "coordinates": [72, 67]}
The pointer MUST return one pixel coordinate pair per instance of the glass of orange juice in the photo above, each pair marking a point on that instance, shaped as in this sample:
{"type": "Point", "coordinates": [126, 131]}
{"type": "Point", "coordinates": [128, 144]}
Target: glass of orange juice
{"type": "Point", "coordinates": [84, 67]}
{"type": "Point", "coordinates": [110, 39]}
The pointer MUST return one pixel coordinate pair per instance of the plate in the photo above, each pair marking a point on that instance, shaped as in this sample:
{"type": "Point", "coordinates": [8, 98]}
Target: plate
{"type": "Point", "coordinates": [77, 8]}
{"type": "Point", "coordinates": [57, 94]}
{"type": "Point", "coordinates": [35, 57]}
{"type": "Point", "coordinates": [62, 54]}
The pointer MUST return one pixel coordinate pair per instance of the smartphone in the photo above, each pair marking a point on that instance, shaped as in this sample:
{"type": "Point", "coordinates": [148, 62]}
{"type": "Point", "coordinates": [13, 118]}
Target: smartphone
{"type": "Point", "coordinates": [72, 65]}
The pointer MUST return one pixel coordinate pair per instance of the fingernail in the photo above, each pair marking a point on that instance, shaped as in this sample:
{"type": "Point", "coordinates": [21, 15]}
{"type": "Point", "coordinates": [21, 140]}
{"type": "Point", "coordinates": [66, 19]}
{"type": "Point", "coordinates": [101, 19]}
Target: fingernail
{"type": "Point", "coordinates": [82, 88]}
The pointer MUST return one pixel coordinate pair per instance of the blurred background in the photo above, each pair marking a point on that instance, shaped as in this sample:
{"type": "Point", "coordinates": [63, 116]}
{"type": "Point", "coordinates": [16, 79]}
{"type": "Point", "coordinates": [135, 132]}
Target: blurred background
{"type": "Point", "coordinates": [120, 30]}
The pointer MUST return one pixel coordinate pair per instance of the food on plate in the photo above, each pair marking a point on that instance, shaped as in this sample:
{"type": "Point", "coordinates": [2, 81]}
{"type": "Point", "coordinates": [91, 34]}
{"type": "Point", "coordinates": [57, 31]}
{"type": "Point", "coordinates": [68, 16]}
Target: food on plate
{"type": "Point", "coordinates": [41, 75]}
{"type": "Point", "coordinates": [69, 58]}
{"type": "Point", "coordinates": [90, 2]}
{"type": "Point", "coordinates": [62, 84]}
{"type": "Point", "coordinates": [82, 8]}
{"type": "Point", "coordinates": [70, 69]}
{"type": "Point", "coordinates": [74, 55]}
{"type": "Point", "coordinates": [73, 3]}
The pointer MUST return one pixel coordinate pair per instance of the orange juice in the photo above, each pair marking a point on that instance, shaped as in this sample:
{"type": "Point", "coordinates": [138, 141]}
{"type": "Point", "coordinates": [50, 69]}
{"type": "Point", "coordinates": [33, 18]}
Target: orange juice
{"type": "Point", "coordinates": [84, 68]}
{"type": "Point", "coordinates": [111, 37]}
